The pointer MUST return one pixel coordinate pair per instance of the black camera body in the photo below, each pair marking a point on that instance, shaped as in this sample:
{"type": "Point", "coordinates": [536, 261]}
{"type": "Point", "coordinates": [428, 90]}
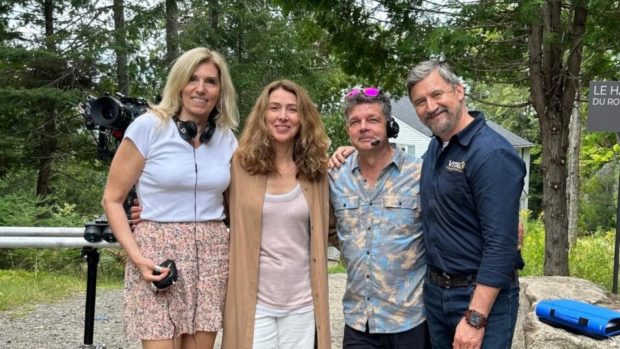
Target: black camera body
{"type": "Point", "coordinates": [98, 230]}
{"type": "Point", "coordinates": [170, 279]}
{"type": "Point", "coordinates": [113, 113]}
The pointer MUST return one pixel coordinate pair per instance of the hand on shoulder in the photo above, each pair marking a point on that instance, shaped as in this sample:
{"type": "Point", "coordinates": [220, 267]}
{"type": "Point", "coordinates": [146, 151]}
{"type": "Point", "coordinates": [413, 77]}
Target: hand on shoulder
{"type": "Point", "coordinates": [340, 156]}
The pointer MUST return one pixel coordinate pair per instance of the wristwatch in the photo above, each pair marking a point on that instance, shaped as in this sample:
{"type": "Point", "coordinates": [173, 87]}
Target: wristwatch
{"type": "Point", "coordinates": [475, 319]}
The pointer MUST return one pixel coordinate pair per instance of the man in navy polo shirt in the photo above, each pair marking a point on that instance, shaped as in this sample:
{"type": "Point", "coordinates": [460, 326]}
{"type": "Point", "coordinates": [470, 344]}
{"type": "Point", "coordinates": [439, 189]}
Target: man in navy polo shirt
{"type": "Point", "coordinates": [471, 183]}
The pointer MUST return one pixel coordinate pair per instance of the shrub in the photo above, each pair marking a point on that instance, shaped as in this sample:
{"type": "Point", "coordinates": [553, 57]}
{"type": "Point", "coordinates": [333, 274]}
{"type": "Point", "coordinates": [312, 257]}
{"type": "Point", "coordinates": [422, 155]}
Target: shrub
{"type": "Point", "coordinates": [597, 206]}
{"type": "Point", "coordinates": [591, 258]}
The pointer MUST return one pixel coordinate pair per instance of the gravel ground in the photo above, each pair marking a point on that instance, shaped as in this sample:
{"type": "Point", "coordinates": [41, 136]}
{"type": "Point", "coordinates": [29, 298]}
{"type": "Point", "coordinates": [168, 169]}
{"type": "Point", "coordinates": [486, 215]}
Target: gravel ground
{"type": "Point", "coordinates": [61, 325]}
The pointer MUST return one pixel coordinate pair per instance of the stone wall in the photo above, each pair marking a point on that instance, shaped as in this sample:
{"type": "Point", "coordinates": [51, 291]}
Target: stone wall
{"type": "Point", "coordinates": [533, 334]}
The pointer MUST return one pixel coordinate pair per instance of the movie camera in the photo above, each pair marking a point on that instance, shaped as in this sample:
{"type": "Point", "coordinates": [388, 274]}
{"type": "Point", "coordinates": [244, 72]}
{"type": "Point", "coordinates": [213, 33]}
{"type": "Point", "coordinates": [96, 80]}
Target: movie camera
{"type": "Point", "coordinates": [111, 116]}
{"type": "Point", "coordinates": [108, 117]}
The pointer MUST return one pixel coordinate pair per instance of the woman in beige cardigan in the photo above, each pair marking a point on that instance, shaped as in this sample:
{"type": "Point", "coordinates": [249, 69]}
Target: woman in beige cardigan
{"type": "Point", "coordinates": [277, 294]}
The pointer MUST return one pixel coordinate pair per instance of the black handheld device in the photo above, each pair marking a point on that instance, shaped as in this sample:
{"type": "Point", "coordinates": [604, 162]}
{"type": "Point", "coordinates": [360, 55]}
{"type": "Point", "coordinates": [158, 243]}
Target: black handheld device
{"type": "Point", "coordinates": [170, 279]}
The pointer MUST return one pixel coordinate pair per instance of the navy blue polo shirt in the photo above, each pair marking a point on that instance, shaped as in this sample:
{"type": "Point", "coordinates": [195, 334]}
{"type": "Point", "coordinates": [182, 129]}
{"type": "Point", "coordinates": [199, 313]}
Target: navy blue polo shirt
{"type": "Point", "coordinates": [470, 195]}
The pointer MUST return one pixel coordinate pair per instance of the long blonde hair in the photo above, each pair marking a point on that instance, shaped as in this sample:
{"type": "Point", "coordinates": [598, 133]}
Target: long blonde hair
{"type": "Point", "coordinates": [178, 77]}
{"type": "Point", "coordinates": [256, 150]}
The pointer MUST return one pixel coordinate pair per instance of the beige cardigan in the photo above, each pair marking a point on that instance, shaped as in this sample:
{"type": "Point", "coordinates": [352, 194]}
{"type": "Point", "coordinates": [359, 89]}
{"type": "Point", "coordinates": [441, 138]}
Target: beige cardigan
{"type": "Point", "coordinates": [246, 195]}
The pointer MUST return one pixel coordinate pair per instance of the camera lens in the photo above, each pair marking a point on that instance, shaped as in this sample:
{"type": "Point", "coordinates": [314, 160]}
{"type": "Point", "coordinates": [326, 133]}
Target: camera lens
{"type": "Point", "coordinates": [108, 235]}
{"type": "Point", "coordinates": [92, 233]}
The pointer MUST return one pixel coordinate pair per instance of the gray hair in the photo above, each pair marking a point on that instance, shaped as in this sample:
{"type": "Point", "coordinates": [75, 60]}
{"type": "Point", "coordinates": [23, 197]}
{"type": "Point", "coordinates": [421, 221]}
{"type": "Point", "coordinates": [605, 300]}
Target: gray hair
{"type": "Point", "coordinates": [424, 69]}
{"type": "Point", "coordinates": [361, 98]}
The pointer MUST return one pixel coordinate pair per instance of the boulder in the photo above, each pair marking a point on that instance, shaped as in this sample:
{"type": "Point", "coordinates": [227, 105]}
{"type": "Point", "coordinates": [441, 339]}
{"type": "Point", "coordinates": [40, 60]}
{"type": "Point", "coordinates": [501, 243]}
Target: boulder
{"type": "Point", "coordinates": [531, 333]}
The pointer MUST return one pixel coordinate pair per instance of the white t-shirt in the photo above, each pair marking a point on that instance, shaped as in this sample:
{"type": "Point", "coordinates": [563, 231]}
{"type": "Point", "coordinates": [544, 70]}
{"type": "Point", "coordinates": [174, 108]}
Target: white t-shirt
{"type": "Point", "coordinates": [180, 183]}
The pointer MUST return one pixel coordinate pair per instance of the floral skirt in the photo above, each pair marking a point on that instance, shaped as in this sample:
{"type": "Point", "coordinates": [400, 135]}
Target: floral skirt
{"type": "Point", "coordinates": [196, 301]}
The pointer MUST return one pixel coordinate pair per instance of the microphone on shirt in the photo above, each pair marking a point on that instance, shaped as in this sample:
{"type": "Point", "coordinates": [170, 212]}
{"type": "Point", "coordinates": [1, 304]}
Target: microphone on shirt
{"type": "Point", "coordinates": [375, 142]}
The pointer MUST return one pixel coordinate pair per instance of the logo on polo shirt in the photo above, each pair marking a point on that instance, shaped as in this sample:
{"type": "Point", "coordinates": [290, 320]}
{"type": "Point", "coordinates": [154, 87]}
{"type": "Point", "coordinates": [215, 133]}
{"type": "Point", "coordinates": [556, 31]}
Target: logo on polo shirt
{"type": "Point", "coordinates": [456, 166]}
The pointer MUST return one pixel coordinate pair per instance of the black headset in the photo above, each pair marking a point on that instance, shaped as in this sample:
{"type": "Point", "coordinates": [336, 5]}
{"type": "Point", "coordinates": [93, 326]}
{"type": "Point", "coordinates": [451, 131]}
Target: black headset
{"type": "Point", "coordinates": [188, 129]}
{"type": "Point", "coordinates": [392, 128]}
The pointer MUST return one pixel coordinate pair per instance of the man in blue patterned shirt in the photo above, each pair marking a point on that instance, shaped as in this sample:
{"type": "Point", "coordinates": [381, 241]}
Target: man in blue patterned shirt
{"type": "Point", "coordinates": [374, 199]}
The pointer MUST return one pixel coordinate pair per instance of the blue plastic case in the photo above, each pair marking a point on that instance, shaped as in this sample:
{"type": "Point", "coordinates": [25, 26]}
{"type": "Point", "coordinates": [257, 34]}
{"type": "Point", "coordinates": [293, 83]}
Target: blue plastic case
{"type": "Point", "coordinates": [592, 320]}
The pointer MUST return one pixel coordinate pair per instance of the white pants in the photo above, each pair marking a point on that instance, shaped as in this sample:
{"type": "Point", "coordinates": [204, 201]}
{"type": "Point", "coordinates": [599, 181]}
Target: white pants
{"type": "Point", "coordinates": [294, 331]}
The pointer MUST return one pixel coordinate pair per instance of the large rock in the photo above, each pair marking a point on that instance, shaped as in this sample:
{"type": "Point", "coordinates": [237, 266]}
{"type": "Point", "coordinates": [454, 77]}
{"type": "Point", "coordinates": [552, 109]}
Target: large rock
{"type": "Point", "coordinates": [531, 333]}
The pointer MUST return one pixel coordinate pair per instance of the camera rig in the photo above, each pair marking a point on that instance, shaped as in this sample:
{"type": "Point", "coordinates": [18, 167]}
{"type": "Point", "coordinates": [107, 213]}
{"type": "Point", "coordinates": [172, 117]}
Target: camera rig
{"type": "Point", "coordinates": [109, 117]}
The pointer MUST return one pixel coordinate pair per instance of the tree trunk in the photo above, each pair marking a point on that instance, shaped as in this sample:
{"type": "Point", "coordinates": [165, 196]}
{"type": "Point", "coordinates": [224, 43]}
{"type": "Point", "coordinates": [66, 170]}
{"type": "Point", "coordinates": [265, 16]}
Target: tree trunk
{"type": "Point", "coordinates": [554, 130]}
{"type": "Point", "coordinates": [214, 16]}
{"type": "Point", "coordinates": [120, 46]}
{"type": "Point", "coordinates": [47, 139]}
{"type": "Point", "coordinates": [574, 141]}
{"type": "Point", "coordinates": [172, 31]}
{"type": "Point", "coordinates": [45, 151]}
{"type": "Point", "coordinates": [48, 16]}
{"type": "Point", "coordinates": [555, 65]}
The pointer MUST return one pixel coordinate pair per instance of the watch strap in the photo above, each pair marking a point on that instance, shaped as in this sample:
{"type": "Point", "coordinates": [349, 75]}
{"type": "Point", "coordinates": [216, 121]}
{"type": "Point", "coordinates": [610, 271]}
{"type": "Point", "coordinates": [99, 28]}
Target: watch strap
{"type": "Point", "coordinates": [475, 318]}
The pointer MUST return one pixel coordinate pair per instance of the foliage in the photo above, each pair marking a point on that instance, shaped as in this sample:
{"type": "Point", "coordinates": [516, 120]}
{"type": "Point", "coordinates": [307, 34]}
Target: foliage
{"type": "Point", "coordinates": [597, 149]}
{"type": "Point", "coordinates": [591, 258]}
{"type": "Point", "coordinates": [69, 206]}
{"type": "Point", "coordinates": [599, 181]}
{"type": "Point", "coordinates": [44, 75]}
{"type": "Point", "coordinates": [550, 48]}
{"type": "Point", "coordinates": [533, 248]}
{"type": "Point", "coordinates": [336, 131]}
{"type": "Point", "coordinates": [598, 199]}
{"type": "Point", "coordinates": [337, 268]}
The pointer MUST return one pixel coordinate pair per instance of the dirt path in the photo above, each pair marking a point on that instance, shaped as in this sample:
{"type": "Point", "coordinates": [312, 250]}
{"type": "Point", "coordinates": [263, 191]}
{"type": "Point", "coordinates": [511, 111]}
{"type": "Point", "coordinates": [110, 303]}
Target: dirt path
{"type": "Point", "coordinates": [61, 325]}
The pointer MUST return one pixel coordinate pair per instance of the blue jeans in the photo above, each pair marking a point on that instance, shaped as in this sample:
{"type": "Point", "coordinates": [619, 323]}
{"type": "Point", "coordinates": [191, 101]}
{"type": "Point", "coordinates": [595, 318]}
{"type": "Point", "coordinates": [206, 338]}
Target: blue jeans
{"type": "Point", "coordinates": [445, 308]}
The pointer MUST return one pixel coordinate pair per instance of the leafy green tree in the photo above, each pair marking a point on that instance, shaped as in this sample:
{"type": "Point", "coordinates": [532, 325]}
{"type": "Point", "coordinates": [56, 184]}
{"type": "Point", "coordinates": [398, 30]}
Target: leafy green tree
{"type": "Point", "coordinates": [598, 198]}
{"type": "Point", "coordinates": [599, 175]}
{"type": "Point", "coordinates": [77, 48]}
{"type": "Point", "coordinates": [42, 74]}
{"type": "Point", "coordinates": [536, 44]}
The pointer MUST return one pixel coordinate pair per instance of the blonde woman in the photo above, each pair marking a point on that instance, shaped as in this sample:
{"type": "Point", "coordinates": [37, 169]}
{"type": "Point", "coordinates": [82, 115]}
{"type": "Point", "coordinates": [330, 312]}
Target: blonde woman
{"type": "Point", "coordinates": [178, 155]}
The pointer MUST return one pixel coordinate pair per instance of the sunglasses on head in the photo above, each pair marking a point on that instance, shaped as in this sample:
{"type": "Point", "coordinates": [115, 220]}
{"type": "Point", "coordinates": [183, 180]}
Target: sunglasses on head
{"type": "Point", "coordinates": [367, 91]}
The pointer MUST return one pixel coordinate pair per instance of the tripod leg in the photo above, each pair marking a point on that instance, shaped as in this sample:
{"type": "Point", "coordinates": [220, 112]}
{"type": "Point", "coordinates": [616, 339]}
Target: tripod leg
{"type": "Point", "coordinates": [91, 255]}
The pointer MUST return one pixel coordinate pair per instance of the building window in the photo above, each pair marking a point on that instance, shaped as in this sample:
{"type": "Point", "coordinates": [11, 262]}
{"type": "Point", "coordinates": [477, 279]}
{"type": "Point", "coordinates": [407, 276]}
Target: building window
{"type": "Point", "coordinates": [407, 148]}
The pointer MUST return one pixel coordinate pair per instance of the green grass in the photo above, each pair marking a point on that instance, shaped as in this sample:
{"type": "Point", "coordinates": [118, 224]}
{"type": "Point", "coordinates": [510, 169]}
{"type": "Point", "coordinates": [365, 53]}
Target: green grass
{"type": "Point", "coordinates": [23, 288]}
{"type": "Point", "coordinates": [335, 268]}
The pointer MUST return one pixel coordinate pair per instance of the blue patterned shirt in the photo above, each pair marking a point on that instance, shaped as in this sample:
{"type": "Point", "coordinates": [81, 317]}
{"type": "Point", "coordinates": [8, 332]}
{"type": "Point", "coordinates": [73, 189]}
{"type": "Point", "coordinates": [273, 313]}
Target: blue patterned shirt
{"type": "Point", "coordinates": [380, 235]}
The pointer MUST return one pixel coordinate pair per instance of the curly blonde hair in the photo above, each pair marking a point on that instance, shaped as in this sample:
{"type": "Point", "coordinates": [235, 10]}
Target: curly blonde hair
{"type": "Point", "coordinates": [256, 151]}
{"type": "Point", "coordinates": [226, 112]}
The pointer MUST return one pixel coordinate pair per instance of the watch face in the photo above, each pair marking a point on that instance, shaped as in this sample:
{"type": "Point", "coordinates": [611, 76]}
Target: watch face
{"type": "Point", "coordinates": [475, 319]}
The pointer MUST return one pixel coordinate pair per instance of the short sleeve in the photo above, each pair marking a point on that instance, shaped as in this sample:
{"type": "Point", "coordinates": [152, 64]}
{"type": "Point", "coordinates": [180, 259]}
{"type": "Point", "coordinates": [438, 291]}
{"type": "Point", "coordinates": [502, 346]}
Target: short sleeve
{"type": "Point", "coordinates": [140, 132]}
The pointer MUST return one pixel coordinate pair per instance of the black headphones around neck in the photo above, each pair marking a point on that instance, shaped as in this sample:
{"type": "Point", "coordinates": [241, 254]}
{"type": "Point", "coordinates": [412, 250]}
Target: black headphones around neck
{"type": "Point", "coordinates": [188, 129]}
{"type": "Point", "coordinates": [392, 128]}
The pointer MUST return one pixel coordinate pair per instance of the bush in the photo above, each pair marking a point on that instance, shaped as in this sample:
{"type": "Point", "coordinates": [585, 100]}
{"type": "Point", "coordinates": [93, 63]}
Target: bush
{"type": "Point", "coordinates": [21, 208]}
{"type": "Point", "coordinates": [533, 248]}
{"type": "Point", "coordinates": [597, 205]}
{"type": "Point", "coordinates": [591, 258]}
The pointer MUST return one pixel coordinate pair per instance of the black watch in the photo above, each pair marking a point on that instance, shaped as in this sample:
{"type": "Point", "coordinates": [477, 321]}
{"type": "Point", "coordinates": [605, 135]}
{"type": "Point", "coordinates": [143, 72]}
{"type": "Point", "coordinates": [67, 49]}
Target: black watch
{"type": "Point", "coordinates": [475, 319]}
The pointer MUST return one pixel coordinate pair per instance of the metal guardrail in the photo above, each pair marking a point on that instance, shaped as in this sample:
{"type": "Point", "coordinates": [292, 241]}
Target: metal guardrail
{"type": "Point", "coordinates": [48, 237]}
{"type": "Point", "coordinates": [66, 237]}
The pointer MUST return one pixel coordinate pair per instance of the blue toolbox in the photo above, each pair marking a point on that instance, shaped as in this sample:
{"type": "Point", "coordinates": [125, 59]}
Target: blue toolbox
{"type": "Point", "coordinates": [592, 320]}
